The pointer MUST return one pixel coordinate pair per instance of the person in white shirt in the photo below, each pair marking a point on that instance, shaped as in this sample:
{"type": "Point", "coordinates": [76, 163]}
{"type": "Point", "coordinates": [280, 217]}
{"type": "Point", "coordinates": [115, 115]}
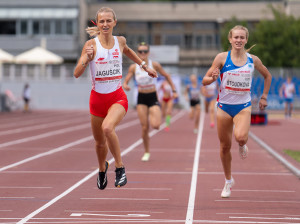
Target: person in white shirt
{"type": "Point", "coordinates": [108, 102]}
{"type": "Point", "coordinates": [148, 107]}
{"type": "Point", "coordinates": [287, 91]}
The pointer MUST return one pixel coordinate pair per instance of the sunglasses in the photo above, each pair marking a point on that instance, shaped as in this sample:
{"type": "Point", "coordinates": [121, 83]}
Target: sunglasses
{"type": "Point", "coordinates": [143, 51]}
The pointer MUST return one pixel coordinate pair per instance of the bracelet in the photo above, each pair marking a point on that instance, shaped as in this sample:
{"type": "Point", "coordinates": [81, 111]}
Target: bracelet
{"type": "Point", "coordinates": [263, 98]}
{"type": "Point", "coordinates": [174, 91]}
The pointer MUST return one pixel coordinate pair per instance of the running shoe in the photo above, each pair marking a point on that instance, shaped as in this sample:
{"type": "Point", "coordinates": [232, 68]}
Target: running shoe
{"type": "Point", "coordinates": [146, 157]}
{"type": "Point", "coordinates": [243, 150]}
{"type": "Point", "coordinates": [121, 179]}
{"type": "Point", "coordinates": [102, 178]}
{"type": "Point", "coordinates": [212, 125]}
{"type": "Point", "coordinates": [226, 192]}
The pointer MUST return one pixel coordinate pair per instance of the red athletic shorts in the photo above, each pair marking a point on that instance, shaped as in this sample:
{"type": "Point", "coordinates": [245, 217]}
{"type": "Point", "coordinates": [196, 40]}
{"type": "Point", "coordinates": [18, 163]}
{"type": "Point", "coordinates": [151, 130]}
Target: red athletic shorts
{"type": "Point", "coordinates": [100, 103]}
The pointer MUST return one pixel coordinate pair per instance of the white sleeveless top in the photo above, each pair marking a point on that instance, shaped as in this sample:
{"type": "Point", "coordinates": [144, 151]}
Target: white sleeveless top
{"type": "Point", "coordinates": [106, 68]}
{"type": "Point", "coordinates": [288, 90]}
{"type": "Point", "coordinates": [236, 82]}
{"type": "Point", "coordinates": [144, 81]}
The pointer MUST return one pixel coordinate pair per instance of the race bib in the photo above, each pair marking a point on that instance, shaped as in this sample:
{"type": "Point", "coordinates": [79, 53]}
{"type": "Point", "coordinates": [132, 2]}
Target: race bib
{"type": "Point", "coordinates": [238, 82]}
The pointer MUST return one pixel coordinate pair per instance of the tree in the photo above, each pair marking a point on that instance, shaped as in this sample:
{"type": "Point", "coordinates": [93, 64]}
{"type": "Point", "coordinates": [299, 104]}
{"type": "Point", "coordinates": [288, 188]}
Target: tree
{"type": "Point", "coordinates": [277, 41]}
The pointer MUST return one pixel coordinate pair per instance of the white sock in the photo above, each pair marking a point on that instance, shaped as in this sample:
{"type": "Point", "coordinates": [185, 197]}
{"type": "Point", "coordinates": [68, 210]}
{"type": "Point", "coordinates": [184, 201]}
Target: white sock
{"type": "Point", "coordinates": [228, 181]}
{"type": "Point", "coordinates": [243, 147]}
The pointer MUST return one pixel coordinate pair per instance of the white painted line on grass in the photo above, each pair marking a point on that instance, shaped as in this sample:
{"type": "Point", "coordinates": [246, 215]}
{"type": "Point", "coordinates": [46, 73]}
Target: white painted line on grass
{"type": "Point", "coordinates": [290, 166]}
{"type": "Point", "coordinates": [191, 203]}
{"type": "Point", "coordinates": [86, 178]}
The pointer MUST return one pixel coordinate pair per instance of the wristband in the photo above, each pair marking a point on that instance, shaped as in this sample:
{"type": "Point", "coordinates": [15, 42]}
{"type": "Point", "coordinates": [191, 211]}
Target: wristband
{"type": "Point", "coordinates": [174, 91]}
{"type": "Point", "coordinates": [263, 98]}
{"type": "Point", "coordinates": [142, 64]}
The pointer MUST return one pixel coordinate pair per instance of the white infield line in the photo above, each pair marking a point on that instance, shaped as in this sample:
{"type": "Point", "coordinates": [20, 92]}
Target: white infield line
{"type": "Point", "coordinates": [275, 154]}
{"type": "Point", "coordinates": [86, 178]}
{"type": "Point", "coordinates": [58, 149]}
{"type": "Point", "coordinates": [191, 203]}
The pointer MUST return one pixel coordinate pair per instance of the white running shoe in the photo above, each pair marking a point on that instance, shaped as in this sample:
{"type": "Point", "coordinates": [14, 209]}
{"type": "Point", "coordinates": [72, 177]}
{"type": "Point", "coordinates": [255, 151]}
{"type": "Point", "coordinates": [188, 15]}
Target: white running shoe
{"type": "Point", "coordinates": [227, 189]}
{"type": "Point", "coordinates": [146, 157]}
{"type": "Point", "coordinates": [243, 150]}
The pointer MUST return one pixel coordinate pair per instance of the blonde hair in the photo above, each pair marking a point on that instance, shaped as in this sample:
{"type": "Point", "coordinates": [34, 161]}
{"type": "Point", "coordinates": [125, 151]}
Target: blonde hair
{"type": "Point", "coordinates": [240, 27]}
{"type": "Point", "coordinates": [94, 31]}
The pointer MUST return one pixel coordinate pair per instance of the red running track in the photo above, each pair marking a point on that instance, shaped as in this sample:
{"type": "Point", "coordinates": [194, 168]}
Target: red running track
{"type": "Point", "coordinates": [48, 174]}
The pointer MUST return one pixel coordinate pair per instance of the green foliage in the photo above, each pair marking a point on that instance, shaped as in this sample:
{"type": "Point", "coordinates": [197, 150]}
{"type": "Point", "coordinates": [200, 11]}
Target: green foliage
{"type": "Point", "coordinates": [293, 153]}
{"type": "Point", "coordinates": [277, 41]}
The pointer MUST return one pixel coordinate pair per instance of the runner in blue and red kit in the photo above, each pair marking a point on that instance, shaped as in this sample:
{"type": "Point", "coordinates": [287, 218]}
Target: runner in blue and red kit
{"type": "Point", "coordinates": [235, 69]}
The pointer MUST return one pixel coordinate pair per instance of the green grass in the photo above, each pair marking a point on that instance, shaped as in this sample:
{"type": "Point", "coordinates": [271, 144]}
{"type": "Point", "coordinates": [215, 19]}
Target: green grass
{"type": "Point", "coordinates": [293, 153]}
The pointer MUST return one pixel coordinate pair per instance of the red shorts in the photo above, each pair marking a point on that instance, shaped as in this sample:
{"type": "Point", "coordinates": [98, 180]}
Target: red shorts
{"type": "Point", "coordinates": [100, 103]}
{"type": "Point", "coordinates": [166, 100]}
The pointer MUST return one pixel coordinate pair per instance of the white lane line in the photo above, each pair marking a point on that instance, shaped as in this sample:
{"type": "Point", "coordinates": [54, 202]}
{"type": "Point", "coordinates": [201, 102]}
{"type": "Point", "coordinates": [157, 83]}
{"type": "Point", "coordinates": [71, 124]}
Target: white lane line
{"type": "Point", "coordinates": [191, 203]}
{"type": "Point", "coordinates": [48, 134]}
{"type": "Point", "coordinates": [242, 213]}
{"type": "Point", "coordinates": [128, 220]}
{"type": "Point", "coordinates": [268, 191]}
{"type": "Point", "coordinates": [290, 166]}
{"type": "Point", "coordinates": [128, 199]}
{"type": "Point", "coordinates": [142, 189]}
{"type": "Point", "coordinates": [86, 178]}
{"type": "Point", "coordinates": [272, 218]}
{"type": "Point", "coordinates": [39, 126]}
{"type": "Point", "coordinates": [123, 211]}
{"type": "Point", "coordinates": [15, 197]}
{"type": "Point", "coordinates": [153, 172]}
{"type": "Point", "coordinates": [58, 149]}
{"type": "Point", "coordinates": [33, 121]}
{"type": "Point", "coordinates": [13, 187]}
{"type": "Point", "coordinates": [259, 201]}
{"type": "Point", "coordinates": [109, 215]}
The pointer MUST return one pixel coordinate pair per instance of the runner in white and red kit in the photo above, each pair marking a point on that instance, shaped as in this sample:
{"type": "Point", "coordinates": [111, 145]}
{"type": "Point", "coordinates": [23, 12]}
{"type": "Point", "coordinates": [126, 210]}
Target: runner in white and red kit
{"type": "Point", "coordinates": [108, 102]}
{"type": "Point", "coordinates": [234, 99]}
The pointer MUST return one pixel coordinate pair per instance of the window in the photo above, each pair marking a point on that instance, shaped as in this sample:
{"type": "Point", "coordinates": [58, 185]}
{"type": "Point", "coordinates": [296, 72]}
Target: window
{"type": "Point", "coordinates": [23, 27]}
{"type": "Point", "coordinates": [172, 39]}
{"type": "Point", "coordinates": [8, 27]}
{"type": "Point", "coordinates": [46, 28]}
{"type": "Point", "coordinates": [188, 41]}
{"type": "Point", "coordinates": [58, 27]}
{"type": "Point", "coordinates": [69, 27]}
{"type": "Point", "coordinates": [199, 42]}
{"type": "Point", "coordinates": [36, 27]}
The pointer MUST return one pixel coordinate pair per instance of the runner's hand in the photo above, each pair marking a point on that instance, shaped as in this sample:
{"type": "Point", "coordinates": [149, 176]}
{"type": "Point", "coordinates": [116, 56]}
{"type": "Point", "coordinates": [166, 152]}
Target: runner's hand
{"type": "Point", "coordinates": [152, 73]}
{"type": "Point", "coordinates": [89, 52]}
{"type": "Point", "coordinates": [215, 74]}
{"type": "Point", "coordinates": [126, 87]}
{"type": "Point", "coordinates": [263, 103]}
